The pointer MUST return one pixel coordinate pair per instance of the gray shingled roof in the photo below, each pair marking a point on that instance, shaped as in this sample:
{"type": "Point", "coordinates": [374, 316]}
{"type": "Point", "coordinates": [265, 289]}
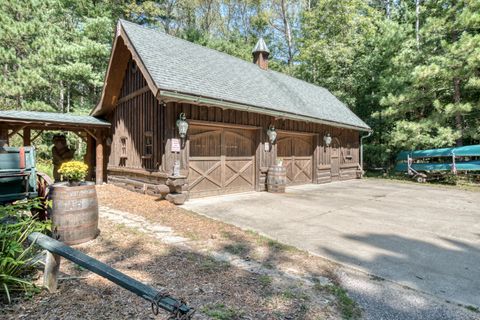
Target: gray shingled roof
{"type": "Point", "coordinates": [41, 117]}
{"type": "Point", "coordinates": [181, 66]}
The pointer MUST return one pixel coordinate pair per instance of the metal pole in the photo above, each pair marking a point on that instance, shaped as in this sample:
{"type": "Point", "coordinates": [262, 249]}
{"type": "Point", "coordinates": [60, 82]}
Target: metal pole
{"type": "Point", "coordinates": [156, 297]}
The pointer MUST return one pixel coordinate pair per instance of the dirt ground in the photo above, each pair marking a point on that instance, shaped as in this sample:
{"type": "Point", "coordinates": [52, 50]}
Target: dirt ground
{"type": "Point", "coordinates": [284, 284]}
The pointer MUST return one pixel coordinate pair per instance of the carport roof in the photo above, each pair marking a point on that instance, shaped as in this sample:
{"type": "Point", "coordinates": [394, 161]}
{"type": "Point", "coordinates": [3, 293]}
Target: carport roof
{"type": "Point", "coordinates": [50, 118]}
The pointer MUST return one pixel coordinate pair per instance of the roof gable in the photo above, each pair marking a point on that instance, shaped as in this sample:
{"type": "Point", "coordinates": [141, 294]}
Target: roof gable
{"type": "Point", "coordinates": [180, 66]}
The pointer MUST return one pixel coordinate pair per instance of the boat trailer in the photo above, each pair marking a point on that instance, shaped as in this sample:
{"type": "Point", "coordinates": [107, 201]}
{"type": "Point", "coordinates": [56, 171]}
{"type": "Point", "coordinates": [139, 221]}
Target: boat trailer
{"type": "Point", "coordinates": [159, 299]}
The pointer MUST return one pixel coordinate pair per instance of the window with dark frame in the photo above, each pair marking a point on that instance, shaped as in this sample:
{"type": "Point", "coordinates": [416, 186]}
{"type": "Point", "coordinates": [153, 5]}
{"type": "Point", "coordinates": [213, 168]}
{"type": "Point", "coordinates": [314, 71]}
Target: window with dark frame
{"type": "Point", "coordinates": [148, 144]}
{"type": "Point", "coordinates": [349, 152]}
{"type": "Point", "coordinates": [123, 147]}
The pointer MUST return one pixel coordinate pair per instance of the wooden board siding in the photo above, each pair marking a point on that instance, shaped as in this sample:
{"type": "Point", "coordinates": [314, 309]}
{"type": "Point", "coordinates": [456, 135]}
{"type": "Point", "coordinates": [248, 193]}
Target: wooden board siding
{"type": "Point", "coordinates": [138, 114]}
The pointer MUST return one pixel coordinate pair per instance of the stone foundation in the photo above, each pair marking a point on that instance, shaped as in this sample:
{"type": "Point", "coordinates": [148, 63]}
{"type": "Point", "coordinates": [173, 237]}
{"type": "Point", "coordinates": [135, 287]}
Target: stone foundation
{"type": "Point", "coordinates": [173, 189]}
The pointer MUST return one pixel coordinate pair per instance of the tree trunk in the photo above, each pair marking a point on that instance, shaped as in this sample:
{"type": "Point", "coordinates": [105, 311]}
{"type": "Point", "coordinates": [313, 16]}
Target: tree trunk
{"type": "Point", "coordinates": [19, 101]}
{"type": "Point", "coordinates": [61, 98]}
{"type": "Point", "coordinates": [208, 16]}
{"type": "Point", "coordinates": [309, 5]}
{"type": "Point", "coordinates": [68, 100]}
{"type": "Point", "coordinates": [288, 32]}
{"type": "Point", "coordinates": [458, 116]}
{"type": "Point", "coordinates": [417, 22]}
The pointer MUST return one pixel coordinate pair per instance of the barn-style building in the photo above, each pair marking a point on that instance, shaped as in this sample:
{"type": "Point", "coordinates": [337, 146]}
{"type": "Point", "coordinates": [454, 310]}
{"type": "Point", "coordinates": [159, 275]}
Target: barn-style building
{"type": "Point", "coordinates": [229, 105]}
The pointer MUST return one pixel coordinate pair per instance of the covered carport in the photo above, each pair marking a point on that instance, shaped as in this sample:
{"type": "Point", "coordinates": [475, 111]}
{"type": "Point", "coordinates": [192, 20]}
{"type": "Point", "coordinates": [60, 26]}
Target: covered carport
{"type": "Point", "coordinates": [30, 125]}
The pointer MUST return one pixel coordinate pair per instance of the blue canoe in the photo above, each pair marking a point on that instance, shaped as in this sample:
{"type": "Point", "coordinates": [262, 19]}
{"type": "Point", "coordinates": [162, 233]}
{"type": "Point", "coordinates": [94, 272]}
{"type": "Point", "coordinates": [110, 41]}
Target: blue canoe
{"type": "Point", "coordinates": [461, 166]}
{"type": "Point", "coordinates": [444, 159]}
{"type": "Point", "coordinates": [472, 151]}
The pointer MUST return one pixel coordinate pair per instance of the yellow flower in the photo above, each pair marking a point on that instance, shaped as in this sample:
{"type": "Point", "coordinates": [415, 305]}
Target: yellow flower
{"type": "Point", "coordinates": [73, 170]}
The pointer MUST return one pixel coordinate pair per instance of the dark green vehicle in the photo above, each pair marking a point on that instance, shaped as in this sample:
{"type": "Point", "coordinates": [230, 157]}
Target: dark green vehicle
{"type": "Point", "coordinates": [18, 175]}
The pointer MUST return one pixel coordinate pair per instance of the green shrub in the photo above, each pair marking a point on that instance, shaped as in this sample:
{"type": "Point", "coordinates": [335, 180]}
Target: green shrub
{"type": "Point", "coordinates": [451, 178]}
{"type": "Point", "coordinates": [377, 156]}
{"type": "Point", "coordinates": [16, 255]}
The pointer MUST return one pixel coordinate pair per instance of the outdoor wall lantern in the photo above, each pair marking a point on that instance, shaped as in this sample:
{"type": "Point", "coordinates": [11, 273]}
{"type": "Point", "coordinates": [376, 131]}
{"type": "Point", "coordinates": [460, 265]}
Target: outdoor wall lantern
{"type": "Point", "coordinates": [182, 125]}
{"type": "Point", "coordinates": [327, 139]}
{"type": "Point", "coordinates": [272, 134]}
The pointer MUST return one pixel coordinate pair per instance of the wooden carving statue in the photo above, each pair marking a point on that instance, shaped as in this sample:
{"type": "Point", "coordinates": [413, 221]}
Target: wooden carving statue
{"type": "Point", "coordinates": [60, 153]}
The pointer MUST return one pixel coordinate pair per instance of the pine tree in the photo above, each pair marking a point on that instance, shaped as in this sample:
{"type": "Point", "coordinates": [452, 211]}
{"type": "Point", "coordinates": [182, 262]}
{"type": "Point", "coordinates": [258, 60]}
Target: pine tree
{"type": "Point", "coordinates": [53, 54]}
{"type": "Point", "coordinates": [436, 100]}
{"type": "Point", "coordinates": [334, 50]}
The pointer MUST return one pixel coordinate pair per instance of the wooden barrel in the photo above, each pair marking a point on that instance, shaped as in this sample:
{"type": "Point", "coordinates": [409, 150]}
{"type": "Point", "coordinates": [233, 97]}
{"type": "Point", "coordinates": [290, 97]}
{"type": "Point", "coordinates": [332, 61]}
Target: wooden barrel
{"type": "Point", "coordinates": [276, 179]}
{"type": "Point", "coordinates": [74, 212]}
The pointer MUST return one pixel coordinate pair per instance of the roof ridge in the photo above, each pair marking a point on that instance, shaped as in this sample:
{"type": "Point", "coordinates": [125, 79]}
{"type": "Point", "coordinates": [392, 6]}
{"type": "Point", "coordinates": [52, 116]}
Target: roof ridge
{"type": "Point", "coordinates": [220, 52]}
{"type": "Point", "coordinates": [191, 43]}
{"type": "Point", "coordinates": [234, 79]}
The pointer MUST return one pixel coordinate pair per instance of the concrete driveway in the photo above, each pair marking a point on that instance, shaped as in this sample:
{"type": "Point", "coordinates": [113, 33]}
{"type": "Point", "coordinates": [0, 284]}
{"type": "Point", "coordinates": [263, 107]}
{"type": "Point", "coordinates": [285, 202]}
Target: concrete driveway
{"type": "Point", "coordinates": [420, 236]}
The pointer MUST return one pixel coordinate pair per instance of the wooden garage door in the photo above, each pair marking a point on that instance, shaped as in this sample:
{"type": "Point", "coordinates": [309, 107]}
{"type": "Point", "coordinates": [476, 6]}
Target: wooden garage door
{"type": "Point", "coordinates": [297, 153]}
{"type": "Point", "coordinates": [221, 161]}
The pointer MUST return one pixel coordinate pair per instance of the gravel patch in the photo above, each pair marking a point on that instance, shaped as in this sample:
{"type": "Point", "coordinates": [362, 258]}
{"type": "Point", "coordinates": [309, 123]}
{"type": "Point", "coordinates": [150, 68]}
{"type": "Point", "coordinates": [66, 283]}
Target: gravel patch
{"type": "Point", "coordinates": [385, 300]}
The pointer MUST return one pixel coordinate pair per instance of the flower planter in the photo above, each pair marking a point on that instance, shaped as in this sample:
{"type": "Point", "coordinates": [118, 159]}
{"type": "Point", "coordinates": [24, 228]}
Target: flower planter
{"type": "Point", "coordinates": [74, 212]}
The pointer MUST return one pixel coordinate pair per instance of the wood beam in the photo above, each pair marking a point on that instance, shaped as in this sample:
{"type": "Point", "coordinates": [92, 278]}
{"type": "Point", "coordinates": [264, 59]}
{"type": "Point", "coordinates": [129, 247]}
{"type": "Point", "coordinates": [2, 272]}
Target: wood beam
{"type": "Point", "coordinates": [99, 158]}
{"type": "Point", "coordinates": [27, 137]}
{"type": "Point", "coordinates": [4, 135]}
{"type": "Point", "coordinates": [15, 131]}
{"type": "Point", "coordinates": [79, 134]}
{"type": "Point", "coordinates": [222, 125]}
{"type": "Point", "coordinates": [91, 134]}
{"type": "Point", "coordinates": [89, 157]}
{"type": "Point", "coordinates": [51, 271]}
{"type": "Point", "coordinates": [133, 94]}
{"type": "Point", "coordinates": [37, 135]}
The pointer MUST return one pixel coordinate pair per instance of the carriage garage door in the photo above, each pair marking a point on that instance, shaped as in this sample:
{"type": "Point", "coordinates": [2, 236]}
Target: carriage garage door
{"type": "Point", "coordinates": [296, 150]}
{"type": "Point", "coordinates": [222, 160]}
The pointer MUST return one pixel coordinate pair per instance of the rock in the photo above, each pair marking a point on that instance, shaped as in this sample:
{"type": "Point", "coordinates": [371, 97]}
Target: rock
{"type": "Point", "coordinates": [176, 182]}
{"type": "Point", "coordinates": [177, 198]}
{"type": "Point", "coordinates": [176, 189]}
{"type": "Point", "coordinates": [163, 189]}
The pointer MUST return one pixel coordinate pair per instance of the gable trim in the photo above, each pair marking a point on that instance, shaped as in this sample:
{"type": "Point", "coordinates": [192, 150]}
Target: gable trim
{"type": "Point", "coordinates": [136, 57]}
{"type": "Point", "coordinates": [104, 106]}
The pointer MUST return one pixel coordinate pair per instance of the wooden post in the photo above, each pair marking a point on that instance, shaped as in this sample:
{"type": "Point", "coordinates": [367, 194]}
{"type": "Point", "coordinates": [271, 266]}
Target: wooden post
{"type": "Point", "coordinates": [52, 268]}
{"type": "Point", "coordinates": [26, 137]}
{"type": "Point", "coordinates": [99, 158]}
{"type": "Point", "coordinates": [89, 157]}
{"type": "Point", "coordinates": [4, 135]}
